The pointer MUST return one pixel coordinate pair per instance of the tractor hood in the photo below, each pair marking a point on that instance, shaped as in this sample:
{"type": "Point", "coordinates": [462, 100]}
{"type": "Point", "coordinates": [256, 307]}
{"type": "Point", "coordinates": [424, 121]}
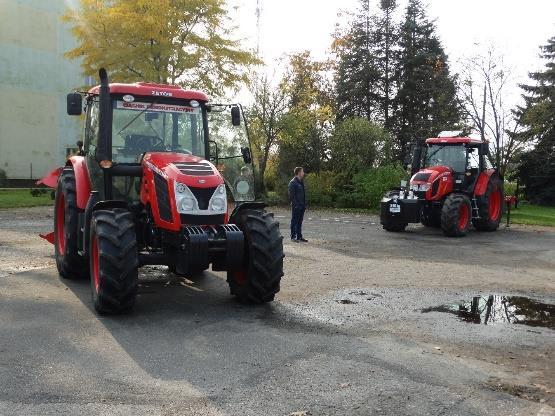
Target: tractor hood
{"type": "Point", "coordinates": [189, 170]}
{"type": "Point", "coordinates": [428, 175]}
{"type": "Point", "coordinates": [433, 182]}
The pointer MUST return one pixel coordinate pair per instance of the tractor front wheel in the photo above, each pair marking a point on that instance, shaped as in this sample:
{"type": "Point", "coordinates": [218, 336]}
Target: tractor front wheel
{"type": "Point", "coordinates": [491, 206]}
{"type": "Point", "coordinates": [69, 262]}
{"type": "Point", "coordinates": [456, 215]}
{"type": "Point", "coordinates": [260, 278]}
{"type": "Point", "coordinates": [113, 261]}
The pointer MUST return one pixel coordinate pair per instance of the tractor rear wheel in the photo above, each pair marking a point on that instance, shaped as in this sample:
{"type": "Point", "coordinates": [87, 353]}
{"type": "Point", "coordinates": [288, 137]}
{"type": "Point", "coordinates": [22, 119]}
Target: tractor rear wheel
{"type": "Point", "coordinates": [69, 262]}
{"type": "Point", "coordinates": [491, 206]}
{"type": "Point", "coordinates": [260, 278]}
{"type": "Point", "coordinates": [456, 215]}
{"type": "Point", "coordinates": [113, 261]}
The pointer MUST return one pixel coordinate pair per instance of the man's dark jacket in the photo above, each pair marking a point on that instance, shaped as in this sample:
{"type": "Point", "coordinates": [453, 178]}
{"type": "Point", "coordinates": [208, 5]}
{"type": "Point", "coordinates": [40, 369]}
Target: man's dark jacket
{"type": "Point", "coordinates": [296, 193]}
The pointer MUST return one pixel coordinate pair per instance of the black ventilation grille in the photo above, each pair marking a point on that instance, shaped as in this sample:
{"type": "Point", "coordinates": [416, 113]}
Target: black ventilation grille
{"type": "Point", "coordinates": [187, 219]}
{"type": "Point", "coordinates": [163, 197]}
{"type": "Point", "coordinates": [421, 177]}
{"type": "Point", "coordinates": [435, 187]}
{"type": "Point", "coordinates": [203, 196]}
{"type": "Point", "coordinates": [195, 168]}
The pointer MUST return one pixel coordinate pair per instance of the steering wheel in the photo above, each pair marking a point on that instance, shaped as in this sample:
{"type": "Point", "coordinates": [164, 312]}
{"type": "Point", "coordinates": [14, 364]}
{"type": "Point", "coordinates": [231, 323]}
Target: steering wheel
{"type": "Point", "coordinates": [182, 150]}
{"type": "Point", "coordinates": [158, 144]}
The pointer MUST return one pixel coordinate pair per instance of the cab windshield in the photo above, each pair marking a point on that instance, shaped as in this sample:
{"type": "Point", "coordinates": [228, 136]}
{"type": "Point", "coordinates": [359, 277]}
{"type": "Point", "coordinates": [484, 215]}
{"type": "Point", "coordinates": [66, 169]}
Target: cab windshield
{"type": "Point", "coordinates": [453, 156]}
{"type": "Point", "coordinates": [139, 127]}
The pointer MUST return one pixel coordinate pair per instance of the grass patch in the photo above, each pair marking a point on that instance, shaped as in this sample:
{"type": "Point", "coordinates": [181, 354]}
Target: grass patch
{"type": "Point", "coordinates": [533, 215]}
{"type": "Point", "coordinates": [17, 198]}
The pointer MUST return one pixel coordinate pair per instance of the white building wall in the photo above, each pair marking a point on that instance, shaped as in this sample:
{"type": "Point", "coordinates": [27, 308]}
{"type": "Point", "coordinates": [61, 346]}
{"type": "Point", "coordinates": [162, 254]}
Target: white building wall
{"type": "Point", "coordinates": [34, 80]}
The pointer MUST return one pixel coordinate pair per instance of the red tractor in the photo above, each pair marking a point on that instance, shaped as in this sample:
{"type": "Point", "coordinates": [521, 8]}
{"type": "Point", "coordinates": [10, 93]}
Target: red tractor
{"type": "Point", "coordinates": [164, 178]}
{"type": "Point", "coordinates": [452, 187]}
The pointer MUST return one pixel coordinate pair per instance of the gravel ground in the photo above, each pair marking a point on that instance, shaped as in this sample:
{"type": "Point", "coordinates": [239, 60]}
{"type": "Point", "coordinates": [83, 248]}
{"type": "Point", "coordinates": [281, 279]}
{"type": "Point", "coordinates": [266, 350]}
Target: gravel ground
{"type": "Point", "coordinates": [346, 336]}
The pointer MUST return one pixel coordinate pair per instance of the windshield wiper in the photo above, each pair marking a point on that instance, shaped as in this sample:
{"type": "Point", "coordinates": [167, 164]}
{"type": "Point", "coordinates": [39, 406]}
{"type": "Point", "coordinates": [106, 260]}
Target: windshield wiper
{"type": "Point", "coordinates": [136, 117]}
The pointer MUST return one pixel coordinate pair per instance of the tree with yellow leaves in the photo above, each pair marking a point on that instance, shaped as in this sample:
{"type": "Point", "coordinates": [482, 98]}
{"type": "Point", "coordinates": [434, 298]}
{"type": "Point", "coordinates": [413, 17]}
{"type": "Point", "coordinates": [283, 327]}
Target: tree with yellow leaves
{"type": "Point", "coordinates": [164, 41]}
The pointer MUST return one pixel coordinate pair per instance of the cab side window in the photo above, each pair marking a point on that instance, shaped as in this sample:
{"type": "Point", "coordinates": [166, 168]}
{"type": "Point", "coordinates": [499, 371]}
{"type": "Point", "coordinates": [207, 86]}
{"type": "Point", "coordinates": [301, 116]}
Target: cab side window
{"type": "Point", "coordinates": [473, 159]}
{"type": "Point", "coordinates": [91, 132]}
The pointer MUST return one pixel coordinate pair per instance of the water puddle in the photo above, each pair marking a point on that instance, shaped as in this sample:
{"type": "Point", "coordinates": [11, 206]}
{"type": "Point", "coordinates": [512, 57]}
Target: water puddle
{"type": "Point", "coordinates": [495, 310]}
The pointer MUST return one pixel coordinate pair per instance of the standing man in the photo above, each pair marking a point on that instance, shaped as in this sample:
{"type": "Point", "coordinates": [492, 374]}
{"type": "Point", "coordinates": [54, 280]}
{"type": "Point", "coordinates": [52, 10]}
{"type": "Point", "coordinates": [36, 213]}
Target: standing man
{"type": "Point", "coordinates": [298, 205]}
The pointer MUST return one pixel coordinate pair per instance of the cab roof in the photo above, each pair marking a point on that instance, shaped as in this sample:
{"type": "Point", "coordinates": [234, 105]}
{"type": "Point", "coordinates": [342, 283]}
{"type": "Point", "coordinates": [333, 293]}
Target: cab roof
{"type": "Point", "coordinates": [453, 140]}
{"type": "Point", "coordinates": [153, 90]}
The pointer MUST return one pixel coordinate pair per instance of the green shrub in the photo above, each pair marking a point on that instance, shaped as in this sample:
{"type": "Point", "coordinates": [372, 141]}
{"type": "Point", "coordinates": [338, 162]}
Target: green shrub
{"type": "Point", "coordinates": [370, 186]}
{"type": "Point", "coordinates": [329, 189]}
{"type": "Point", "coordinates": [320, 188]}
{"type": "Point", "coordinates": [273, 198]}
{"type": "Point", "coordinates": [510, 188]}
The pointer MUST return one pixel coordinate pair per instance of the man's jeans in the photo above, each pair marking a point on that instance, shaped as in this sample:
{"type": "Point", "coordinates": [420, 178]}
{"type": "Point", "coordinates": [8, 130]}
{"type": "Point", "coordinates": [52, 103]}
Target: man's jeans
{"type": "Point", "coordinates": [297, 214]}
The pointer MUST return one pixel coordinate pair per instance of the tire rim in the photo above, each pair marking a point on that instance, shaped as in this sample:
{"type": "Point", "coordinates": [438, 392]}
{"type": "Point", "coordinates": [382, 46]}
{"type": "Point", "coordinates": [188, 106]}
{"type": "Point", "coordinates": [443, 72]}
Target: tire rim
{"type": "Point", "coordinates": [61, 224]}
{"type": "Point", "coordinates": [494, 207]}
{"type": "Point", "coordinates": [463, 216]}
{"type": "Point", "coordinates": [95, 268]}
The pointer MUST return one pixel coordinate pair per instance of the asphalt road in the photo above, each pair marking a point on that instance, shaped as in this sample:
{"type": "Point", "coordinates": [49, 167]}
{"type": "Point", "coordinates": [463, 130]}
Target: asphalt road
{"type": "Point", "coordinates": [346, 336]}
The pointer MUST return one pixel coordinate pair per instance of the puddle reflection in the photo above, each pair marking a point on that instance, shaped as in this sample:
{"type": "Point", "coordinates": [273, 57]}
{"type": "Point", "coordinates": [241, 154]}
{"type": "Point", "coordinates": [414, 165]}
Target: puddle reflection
{"type": "Point", "coordinates": [496, 309]}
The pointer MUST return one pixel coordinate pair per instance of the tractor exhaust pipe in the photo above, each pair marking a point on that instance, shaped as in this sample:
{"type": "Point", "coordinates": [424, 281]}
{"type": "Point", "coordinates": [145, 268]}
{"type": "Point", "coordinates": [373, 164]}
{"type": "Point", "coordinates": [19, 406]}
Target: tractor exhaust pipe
{"type": "Point", "coordinates": [416, 157]}
{"type": "Point", "coordinates": [104, 149]}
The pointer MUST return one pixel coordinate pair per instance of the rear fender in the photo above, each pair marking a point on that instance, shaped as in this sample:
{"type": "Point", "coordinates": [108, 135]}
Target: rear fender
{"type": "Point", "coordinates": [110, 204]}
{"type": "Point", "coordinates": [82, 180]}
{"type": "Point", "coordinates": [482, 182]}
{"type": "Point", "coordinates": [245, 205]}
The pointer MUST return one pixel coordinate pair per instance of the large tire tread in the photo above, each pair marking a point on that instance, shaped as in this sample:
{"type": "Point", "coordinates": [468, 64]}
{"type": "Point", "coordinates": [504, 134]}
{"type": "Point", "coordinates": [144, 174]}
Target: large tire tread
{"type": "Point", "coordinates": [117, 261]}
{"type": "Point", "coordinates": [263, 258]}
{"type": "Point", "coordinates": [70, 264]}
{"type": "Point", "coordinates": [485, 223]}
{"type": "Point", "coordinates": [450, 214]}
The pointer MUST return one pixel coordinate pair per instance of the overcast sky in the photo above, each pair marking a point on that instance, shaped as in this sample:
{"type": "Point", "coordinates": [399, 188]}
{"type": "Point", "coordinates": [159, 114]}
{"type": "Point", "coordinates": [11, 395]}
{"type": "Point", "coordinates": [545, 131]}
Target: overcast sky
{"type": "Point", "coordinates": [516, 28]}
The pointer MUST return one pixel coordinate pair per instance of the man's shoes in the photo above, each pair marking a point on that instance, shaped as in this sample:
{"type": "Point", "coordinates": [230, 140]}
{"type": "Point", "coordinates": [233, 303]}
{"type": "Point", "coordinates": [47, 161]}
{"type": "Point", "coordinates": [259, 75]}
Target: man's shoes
{"type": "Point", "coordinates": [294, 240]}
{"type": "Point", "coordinates": [302, 240]}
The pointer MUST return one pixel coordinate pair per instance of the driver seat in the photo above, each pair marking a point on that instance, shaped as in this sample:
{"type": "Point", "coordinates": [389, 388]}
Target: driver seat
{"type": "Point", "coordinates": [137, 144]}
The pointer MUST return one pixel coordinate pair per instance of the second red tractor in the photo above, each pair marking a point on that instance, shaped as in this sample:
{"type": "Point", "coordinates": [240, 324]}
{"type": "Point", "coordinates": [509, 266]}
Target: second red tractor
{"type": "Point", "coordinates": [452, 187]}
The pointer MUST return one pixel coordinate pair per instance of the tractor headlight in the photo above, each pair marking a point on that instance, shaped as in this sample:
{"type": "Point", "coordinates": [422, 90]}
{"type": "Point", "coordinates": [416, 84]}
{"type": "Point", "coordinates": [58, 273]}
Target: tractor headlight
{"type": "Point", "coordinates": [186, 204]}
{"type": "Point", "coordinates": [180, 188]}
{"type": "Point", "coordinates": [424, 186]}
{"type": "Point", "coordinates": [218, 202]}
{"type": "Point", "coordinates": [184, 199]}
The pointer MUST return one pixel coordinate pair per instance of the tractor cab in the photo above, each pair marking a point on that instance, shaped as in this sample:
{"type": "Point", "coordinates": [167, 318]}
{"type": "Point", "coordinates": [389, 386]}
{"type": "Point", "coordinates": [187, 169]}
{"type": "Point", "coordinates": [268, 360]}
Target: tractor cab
{"type": "Point", "coordinates": [165, 177]}
{"type": "Point", "coordinates": [148, 119]}
{"type": "Point", "coordinates": [455, 161]}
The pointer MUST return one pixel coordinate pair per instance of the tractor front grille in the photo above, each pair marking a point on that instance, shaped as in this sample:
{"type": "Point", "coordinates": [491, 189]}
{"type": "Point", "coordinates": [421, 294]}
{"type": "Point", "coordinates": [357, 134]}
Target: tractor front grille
{"type": "Point", "coordinates": [195, 168]}
{"type": "Point", "coordinates": [162, 197]}
{"type": "Point", "coordinates": [203, 196]}
{"type": "Point", "coordinates": [187, 219]}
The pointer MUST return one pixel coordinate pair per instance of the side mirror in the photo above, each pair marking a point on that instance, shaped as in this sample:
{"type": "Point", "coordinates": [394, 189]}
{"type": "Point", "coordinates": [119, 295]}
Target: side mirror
{"type": "Point", "coordinates": [235, 115]}
{"type": "Point", "coordinates": [74, 104]}
{"type": "Point", "coordinates": [413, 159]}
{"type": "Point", "coordinates": [484, 149]}
{"type": "Point", "coordinates": [246, 152]}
